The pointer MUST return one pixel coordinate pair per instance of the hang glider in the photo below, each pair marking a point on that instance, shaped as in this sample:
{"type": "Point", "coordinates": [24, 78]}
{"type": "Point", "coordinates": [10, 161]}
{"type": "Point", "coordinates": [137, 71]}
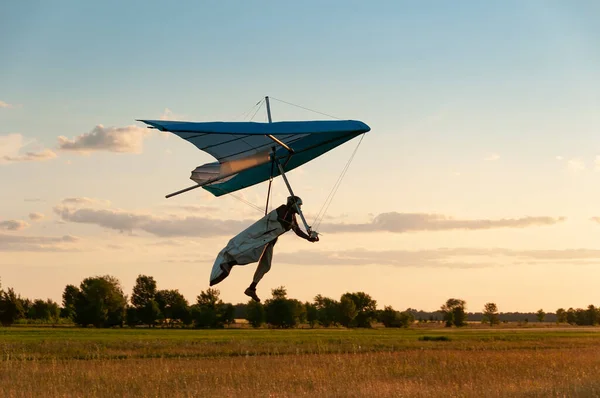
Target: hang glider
{"type": "Point", "coordinates": [243, 150]}
{"type": "Point", "coordinates": [248, 153]}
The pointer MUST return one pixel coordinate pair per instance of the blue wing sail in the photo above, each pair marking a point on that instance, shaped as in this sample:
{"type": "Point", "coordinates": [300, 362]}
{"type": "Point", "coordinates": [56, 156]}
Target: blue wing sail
{"type": "Point", "coordinates": [242, 149]}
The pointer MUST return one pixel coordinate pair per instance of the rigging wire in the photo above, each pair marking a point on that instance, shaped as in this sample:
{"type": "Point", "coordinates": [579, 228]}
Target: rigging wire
{"type": "Point", "coordinates": [336, 187]}
{"type": "Point", "coordinates": [259, 103]}
{"type": "Point", "coordinates": [305, 108]}
{"type": "Point", "coordinates": [245, 114]}
{"type": "Point", "coordinates": [257, 109]}
{"type": "Point", "coordinates": [255, 207]}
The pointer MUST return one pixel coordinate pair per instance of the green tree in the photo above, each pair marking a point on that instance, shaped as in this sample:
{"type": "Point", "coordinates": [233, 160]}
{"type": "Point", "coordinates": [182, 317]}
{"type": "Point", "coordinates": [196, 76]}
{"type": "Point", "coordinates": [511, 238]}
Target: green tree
{"type": "Point", "coordinates": [48, 311]}
{"type": "Point", "coordinates": [561, 315]}
{"type": "Point", "coordinates": [388, 316]}
{"type": "Point", "coordinates": [131, 317]}
{"type": "Point", "coordinates": [69, 297]}
{"type": "Point", "coordinates": [282, 312]}
{"type": "Point", "coordinates": [143, 291]}
{"type": "Point", "coordinates": [210, 311]}
{"type": "Point", "coordinates": [279, 293]}
{"type": "Point", "coordinates": [240, 310]}
{"type": "Point", "coordinates": [405, 319]}
{"type": "Point", "coordinates": [571, 316]}
{"type": "Point", "coordinates": [328, 311]}
{"type": "Point", "coordinates": [100, 302]}
{"type": "Point", "coordinates": [540, 314]}
{"type": "Point", "coordinates": [592, 315]}
{"type": "Point", "coordinates": [150, 313]}
{"type": "Point", "coordinates": [27, 305]}
{"type": "Point", "coordinates": [11, 307]}
{"type": "Point", "coordinates": [454, 312]}
{"type": "Point", "coordinates": [312, 314]}
{"type": "Point", "coordinates": [366, 309]}
{"type": "Point", "coordinates": [142, 299]}
{"type": "Point", "coordinates": [204, 312]}
{"type": "Point", "coordinates": [490, 313]}
{"type": "Point", "coordinates": [255, 313]}
{"type": "Point", "coordinates": [227, 314]}
{"type": "Point", "coordinates": [300, 309]}
{"type": "Point", "coordinates": [348, 311]}
{"type": "Point", "coordinates": [173, 307]}
{"type": "Point", "coordinates": [395, 319]}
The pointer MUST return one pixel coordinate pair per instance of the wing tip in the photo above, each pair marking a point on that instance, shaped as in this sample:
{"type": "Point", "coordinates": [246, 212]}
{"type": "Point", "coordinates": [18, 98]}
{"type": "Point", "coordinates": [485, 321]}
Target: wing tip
{"type": "Point", "coordinates": [152, 124]}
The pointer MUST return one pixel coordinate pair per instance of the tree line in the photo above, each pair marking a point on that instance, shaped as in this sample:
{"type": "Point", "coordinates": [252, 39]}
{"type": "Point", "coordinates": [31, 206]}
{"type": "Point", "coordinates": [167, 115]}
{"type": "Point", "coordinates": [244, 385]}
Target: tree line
{"type": "Point", "coordinates": [101, 302]}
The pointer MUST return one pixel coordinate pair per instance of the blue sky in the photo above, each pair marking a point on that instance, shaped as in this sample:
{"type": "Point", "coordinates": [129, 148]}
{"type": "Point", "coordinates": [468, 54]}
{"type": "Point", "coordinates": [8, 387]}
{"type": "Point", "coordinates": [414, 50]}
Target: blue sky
{"type": "Point", "coordinates": [478, 111]}
{"type": "Point", "coordinates": [394, 63]}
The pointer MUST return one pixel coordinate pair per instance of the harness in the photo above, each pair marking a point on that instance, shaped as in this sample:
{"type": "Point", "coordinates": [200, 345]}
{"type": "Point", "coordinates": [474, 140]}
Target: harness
{"type": "Point", "coordinates": [284, 220]}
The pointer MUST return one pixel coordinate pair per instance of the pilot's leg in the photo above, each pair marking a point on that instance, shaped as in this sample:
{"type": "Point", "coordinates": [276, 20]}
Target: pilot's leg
{"type": "Point", "coordinates": [264, 265]}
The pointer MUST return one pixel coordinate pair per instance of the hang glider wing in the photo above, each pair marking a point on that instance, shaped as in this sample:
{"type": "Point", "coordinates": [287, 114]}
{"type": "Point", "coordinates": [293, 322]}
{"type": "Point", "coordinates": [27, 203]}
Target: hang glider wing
{"type": "Point", "coordinates": [242, 149]}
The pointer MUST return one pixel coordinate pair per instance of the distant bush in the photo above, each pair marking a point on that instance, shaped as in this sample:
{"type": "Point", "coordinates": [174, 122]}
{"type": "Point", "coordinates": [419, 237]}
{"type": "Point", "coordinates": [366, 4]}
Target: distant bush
{"type": "Point", "coordinates": [434, 338]}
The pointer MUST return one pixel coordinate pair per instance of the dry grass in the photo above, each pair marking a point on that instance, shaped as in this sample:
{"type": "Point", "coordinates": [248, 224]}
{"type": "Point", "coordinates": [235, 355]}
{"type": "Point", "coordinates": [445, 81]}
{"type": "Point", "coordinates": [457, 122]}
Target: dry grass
{"type": "Point", "coordinates": [290, 363]}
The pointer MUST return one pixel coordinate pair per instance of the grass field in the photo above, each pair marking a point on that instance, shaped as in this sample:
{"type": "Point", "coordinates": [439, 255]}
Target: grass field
{"type": "Point", "coordinates": [61, 362]}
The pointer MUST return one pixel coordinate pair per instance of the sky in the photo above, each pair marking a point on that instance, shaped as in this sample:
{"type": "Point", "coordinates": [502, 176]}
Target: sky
{"type": "Point", "coordinates": [479, 178]}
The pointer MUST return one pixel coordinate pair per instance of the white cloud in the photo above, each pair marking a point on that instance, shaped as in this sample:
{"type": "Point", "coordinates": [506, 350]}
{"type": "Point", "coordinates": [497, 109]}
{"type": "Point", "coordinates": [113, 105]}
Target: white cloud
{"type": "Point", "coordinates": [82, 200]}
{"type": "Point", "coordinates": [492, 157]}
{"type": "Point", "coordinates": [112, 139]}
{"type": "Point", "coordinates": [6, 105]}
{"type": "Point", "coordinates": [441, 258]}
{"type": "Point", "coordinates": [559, 157]}
{"type": "Point", "coordinates": [172, 226]}
{"type": "Point", "coordinates": [10, 144]}
{"type": "Point", "coordinates": [597, 163]}
{"type": "Point", "coordinates": [11, 148]}
{"type": "Point", "coordinates": [192, 208]}
{"type": "Point", "coordinates": [69, 238]}
{"type": "Point", "coordinates": [200, 224]}
{"type": "Point", "coordinates": [595, 219]}
{"type": "Point", "coordinates": [15, 243]}
{"type": "Point", "coordinates": [412, 222]}
{"type": "Point", "coordinates": [576, 165]}
{"type": "Point", "coordinates": [167, 114]}
{"type": "Point", "coordinates": [46, 154]}
{"type": "Point", "coordinates": [13, 225]}
{"type": "Point", "coordinates": [36, 216]}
